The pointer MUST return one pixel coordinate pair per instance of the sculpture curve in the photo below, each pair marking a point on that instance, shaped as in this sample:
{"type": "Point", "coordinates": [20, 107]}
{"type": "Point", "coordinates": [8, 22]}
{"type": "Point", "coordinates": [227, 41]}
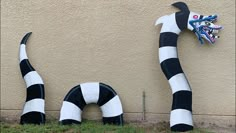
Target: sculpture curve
{"type": "Point", "coordinates": [91, 92]}
{"type": "Point", "coordinates": [33, 111]}
{"type": "Point", "coordinates": [172, 25]}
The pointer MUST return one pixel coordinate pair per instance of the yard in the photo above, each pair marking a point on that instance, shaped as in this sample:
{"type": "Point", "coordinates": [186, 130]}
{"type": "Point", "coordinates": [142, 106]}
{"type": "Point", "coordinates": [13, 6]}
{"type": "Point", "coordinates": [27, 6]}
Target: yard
{"type": "Point", "coordinates": [91, 127]}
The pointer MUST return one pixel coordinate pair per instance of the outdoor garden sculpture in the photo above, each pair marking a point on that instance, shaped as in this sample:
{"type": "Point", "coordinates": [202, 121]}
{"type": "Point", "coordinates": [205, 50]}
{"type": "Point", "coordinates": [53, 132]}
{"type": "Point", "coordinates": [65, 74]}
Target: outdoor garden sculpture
{"type": "Point", "coordinates": [104, 96]}
{"type": "Point", "coordinates": [92, 92]}
{"type": "Point", "coordinates": [172, 25]}
{"type": "Point", "coordinates": [33, 111]}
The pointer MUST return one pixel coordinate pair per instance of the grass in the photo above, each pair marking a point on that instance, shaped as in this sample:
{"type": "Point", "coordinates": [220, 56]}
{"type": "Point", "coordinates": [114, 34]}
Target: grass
{"type": "Point", "coordinates": [89, 127]}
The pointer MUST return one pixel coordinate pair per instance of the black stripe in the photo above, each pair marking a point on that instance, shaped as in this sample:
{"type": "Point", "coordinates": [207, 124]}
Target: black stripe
{"type": "Point", "coordinates": [182, 19]}
{"type": "Point", "coordinates": [171, 67]}
{"type": "Point", "coordinates": [106, 93]}
{"type": "Point", "coordinates": [182, 100]}
{"type": "Point", "coordinates": [25, 67]}
{"type": "Point", "coordinates": [116, 120]}
{"type": "Point", "coordinates": [181, 128]}
{"type": "Point", "coordinates": [25, 38]}
{"type": "Point", "coordinates": [33, 118]}
{"type": "Point", "coordinates": [35, 91]}
{"type": "Point", "coordinates": [75, 96]}
{"type": "Point", "coordinates": [168, 39]}
{"type": "Point", "coordinates": [69, 122]}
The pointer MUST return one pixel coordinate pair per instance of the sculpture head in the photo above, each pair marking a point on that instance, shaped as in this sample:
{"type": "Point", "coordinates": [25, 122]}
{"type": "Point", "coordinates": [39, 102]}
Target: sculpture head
{"type": "Point", "coordinates": [204, 27]}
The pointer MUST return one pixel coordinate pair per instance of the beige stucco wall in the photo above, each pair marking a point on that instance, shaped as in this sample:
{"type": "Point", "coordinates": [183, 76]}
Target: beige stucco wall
{"type": "Point", "coordinates": [115, 42]}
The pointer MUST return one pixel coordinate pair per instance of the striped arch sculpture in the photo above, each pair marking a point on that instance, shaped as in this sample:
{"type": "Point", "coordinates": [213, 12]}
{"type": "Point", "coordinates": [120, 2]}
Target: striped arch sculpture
{"type": "Point", "coordinates": [33, 111]}
{"type": "Point", "coordinates": [172, 25]}
{"type": "Point", "coordinates": [92, 92]}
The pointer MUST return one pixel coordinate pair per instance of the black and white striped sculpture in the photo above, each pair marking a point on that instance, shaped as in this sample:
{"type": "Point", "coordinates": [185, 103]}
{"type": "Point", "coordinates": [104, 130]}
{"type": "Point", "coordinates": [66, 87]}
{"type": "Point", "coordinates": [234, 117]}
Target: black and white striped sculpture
{"type": "Point", "coordinates": [92, 92]}
{"type": "Point", "coordinates": [33, 111]}
{"type": "Point", "coordinates": [172, 25]}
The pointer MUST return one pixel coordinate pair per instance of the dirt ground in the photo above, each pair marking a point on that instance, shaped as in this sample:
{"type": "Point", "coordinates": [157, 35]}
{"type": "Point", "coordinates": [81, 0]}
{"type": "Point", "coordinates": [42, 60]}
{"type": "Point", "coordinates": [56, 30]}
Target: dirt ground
{"type": "Point", "coordinates": [162, 126]}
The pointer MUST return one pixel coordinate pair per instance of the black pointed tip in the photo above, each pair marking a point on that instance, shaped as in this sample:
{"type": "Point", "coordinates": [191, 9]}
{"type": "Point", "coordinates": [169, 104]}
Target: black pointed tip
{"type": "Point", "coordinates": [181, 5]}
{"type": "Point", "coordinates": [179, 2]}
{"type": "Point", "coordinates": [29, 32]}
{"type": "Point", "coordinates": [25, 38]}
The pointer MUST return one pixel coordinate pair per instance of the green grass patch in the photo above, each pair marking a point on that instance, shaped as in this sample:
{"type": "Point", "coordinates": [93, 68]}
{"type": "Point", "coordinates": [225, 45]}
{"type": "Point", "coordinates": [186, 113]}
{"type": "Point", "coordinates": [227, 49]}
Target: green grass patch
{"type": "Point", "coordinates": [88, 127]}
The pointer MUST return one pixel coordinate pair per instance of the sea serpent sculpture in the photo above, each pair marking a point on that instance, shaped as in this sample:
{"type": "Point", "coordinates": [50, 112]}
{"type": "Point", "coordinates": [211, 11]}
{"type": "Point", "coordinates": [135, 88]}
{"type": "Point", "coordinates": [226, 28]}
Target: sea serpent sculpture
{"type": "Point", "coordinates": [172, 25]}
{"type": "Point", "coordinates": [33, 111]}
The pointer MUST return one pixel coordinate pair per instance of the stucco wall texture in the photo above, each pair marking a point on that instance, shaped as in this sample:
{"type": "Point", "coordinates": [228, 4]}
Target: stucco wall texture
{"type": "Point", "coordinates": [115, 42]}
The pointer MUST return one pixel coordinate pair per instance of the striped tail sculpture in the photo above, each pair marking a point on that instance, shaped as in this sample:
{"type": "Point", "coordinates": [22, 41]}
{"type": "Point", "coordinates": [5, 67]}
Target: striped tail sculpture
{"type": "Point", "coordinates": [33, 111]}
{"type": "Point", "coordinates": [92, 92]}
{"type": "Point", "coordinates": [172, 25]}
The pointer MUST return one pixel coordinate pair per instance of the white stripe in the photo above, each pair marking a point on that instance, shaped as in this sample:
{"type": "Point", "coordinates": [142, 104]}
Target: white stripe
{"type": "Point", "coordinates": [191, 18]}
{"type": "Point", "coordinates": [178, 83]}
{"type": "Point", "coordinates": [32, 78]}
{"type": "Point", "coordinates": [181, 116]}
{"type": "Point", "coordinates": [36, 105]}
{"type": "Point", "coordinates": [169, 24]}
{"type": "Point", "coordinates": [70, 111]}
{"type": "Point", "coordinates": [90, 92]}
{"type": "Point", "coordinates": [167, 52]}
{"type": "Point", "coordinates": [112, 107]}
{"type": "Point", "coordinates": [23, 54]}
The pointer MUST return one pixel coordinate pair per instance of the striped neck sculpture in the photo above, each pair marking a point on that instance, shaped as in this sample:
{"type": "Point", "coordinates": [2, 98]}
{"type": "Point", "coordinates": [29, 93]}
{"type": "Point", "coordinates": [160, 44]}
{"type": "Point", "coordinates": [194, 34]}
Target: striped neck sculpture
{"type": "Point", "coordinates": [172, 25]}
{"type": "Point", "coordinates": [33, 111]}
